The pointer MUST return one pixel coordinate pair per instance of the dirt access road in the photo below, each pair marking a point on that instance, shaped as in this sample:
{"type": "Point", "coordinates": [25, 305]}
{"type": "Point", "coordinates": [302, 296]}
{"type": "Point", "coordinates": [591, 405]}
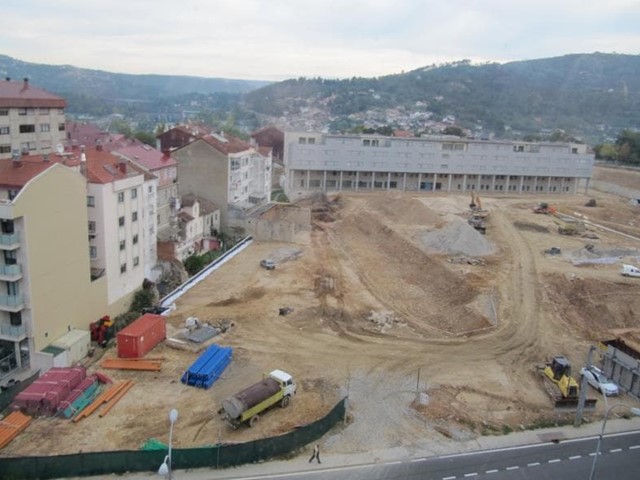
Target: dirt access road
{"type": "Point", "coordinates": [393, 295]}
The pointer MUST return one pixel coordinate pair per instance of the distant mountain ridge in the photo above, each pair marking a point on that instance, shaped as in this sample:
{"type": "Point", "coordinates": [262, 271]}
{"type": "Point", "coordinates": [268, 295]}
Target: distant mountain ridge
{"type": "Point", "coordinates": [59, 79]}
{"type": "Point", "coordinates": [591, 95]}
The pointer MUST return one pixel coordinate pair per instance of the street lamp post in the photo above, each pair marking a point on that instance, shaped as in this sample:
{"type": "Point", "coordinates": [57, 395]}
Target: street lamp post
{"type": "Point", "coordinates": [635, 411]}
{"type": "Point", "coordinates": [165, 468]}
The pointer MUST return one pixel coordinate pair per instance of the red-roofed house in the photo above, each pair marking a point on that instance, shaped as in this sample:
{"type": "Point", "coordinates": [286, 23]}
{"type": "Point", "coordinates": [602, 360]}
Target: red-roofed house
{"type": "Point", "coordinates": [31, 119]}
{"type": "Point", "coordinates": [181, 135]}
{"type": "Point", "coordinates": [272, 137]}
{"type": "Point", "coordinates": [227, 171]}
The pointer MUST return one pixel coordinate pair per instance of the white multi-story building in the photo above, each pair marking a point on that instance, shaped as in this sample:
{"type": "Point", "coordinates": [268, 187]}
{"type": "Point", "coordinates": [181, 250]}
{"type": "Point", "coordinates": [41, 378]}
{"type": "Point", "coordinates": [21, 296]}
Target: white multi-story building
{"type": "Point", "coordinates": [122, 234]}
{"type": "Point", "coordinates": [164, 167]}
{"type": "Point", "coordinates": [32, 120]}
{"type": "Point", "coordinates": [321, 162]}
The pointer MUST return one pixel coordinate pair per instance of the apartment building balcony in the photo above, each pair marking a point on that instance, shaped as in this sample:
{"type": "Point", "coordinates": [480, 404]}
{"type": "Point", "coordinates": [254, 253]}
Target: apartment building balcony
{"type": "Point", "coordinates": [9, 241]}
{"type": "Point", "coordinates": [12, 333]}
{"type": "Point", "coordinates": [10, 273]}
{"type": "Point", "coordinates": [11, 303]}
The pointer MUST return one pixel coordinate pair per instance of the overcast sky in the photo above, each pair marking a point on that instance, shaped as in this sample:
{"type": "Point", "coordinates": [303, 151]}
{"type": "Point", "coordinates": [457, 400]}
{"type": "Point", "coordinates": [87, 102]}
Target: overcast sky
{"type": "Point", "coordinates": [279, 39]}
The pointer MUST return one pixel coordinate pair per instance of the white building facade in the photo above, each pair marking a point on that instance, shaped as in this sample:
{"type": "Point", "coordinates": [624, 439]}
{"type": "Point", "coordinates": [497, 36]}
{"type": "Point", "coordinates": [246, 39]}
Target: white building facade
{"type": "Point", "coordinates": [320, 162]}
{"type": "Point", "coordinates": [32, 121]}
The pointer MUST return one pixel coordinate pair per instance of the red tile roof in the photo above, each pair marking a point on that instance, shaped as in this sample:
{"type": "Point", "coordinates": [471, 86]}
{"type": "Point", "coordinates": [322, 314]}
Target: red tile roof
{"type": "Point", "coordinates": [22, 95]}
{"type": "Point", "coordinates": [102, 167]}
{"type": "Point", "coordinates": [230, 144]}
{"type": "Point", "coordinates": [147, 156]}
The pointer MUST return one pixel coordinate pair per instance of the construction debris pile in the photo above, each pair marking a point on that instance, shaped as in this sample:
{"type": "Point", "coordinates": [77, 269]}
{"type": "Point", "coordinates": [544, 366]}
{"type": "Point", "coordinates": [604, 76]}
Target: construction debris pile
{"type": "Point", "coordinates": [458, 238]}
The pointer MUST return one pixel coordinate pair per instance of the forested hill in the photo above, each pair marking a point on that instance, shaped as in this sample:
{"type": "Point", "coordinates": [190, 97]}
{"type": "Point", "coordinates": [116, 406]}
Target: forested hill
{"type": "Point", "coordinates": [60, 79]}
{"type": "Point", "coordinates": [590, 95]}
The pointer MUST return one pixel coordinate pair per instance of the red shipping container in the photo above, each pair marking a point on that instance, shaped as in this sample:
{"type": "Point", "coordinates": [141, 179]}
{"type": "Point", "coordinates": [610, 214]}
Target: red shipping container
{"type": "Point", "coordinates": [138, 338]}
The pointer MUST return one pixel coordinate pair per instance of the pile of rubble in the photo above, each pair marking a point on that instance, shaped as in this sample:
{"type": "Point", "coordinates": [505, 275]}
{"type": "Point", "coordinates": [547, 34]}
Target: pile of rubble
{"type": "Point", "coordinates": [383, 320]}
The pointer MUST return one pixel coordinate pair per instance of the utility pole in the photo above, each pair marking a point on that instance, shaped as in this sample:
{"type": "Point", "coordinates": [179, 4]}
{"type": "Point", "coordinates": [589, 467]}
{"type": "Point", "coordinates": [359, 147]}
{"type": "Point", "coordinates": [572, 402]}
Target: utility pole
{"type": "Point", "coordinates": [583, 391]}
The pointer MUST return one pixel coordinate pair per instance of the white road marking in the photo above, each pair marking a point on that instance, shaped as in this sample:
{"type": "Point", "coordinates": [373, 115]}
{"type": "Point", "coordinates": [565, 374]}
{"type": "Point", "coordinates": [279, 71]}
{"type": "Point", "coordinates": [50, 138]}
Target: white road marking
{"type": "Point", "coordinates": [449, 478]}
{"type": "Point", "coordinates": [418, 460]}
{"type": "Point", "coordinates": [575, 457]}
{"type": "Point", "coordinates": [492, 471]}
{"type": "Point", "coordinates": [393, 463]}
{"type": "Point", "coordinates": [473, 474]}
{"type": "Point", "coordinates": [615, 450]}
{"type": "Point", "coordinates": [593, 454]}
{"type": "Point", "coordinates": [555, 460]}
{"type": "Point", "coordinates": [633, 447]}
{"type": "Point", "coordinates": [534, 464]}
{"type": "Point", "coordinates": [513, 468]}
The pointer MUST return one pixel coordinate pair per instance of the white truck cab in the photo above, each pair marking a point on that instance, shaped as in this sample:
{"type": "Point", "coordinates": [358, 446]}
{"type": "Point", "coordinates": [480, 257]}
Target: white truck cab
{"type": "Point", "coordinates": [286, 380]}
{"type": "Point", "coordinates": [630, 271]}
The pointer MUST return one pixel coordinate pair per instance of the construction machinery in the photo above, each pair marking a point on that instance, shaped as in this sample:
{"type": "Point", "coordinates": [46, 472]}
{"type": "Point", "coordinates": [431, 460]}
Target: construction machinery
{"type": "Point", "coordinates": [545, 209]}
{"type": "Point", "coordinates": [569, 226]}
{"type": "Point", "coordinates": [561, 386]}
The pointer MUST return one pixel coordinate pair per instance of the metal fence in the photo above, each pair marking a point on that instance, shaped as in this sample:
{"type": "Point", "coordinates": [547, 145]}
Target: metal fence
{"type": "Point", "coordinates": [216, 456]}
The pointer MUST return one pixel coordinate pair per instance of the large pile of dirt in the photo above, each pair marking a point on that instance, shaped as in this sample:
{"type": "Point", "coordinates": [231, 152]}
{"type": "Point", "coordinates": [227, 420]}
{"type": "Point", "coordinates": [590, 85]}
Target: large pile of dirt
{"type": "Point", "coordinates": [458, 238]}
{"type": "Point", "coordinates": [402, 209]}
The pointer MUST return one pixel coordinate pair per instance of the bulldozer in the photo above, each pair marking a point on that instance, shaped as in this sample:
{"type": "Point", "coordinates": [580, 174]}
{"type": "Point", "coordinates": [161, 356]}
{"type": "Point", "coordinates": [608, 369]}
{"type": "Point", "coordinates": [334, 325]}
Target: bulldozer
{"type": "Point", "coordinates": [561, 386]}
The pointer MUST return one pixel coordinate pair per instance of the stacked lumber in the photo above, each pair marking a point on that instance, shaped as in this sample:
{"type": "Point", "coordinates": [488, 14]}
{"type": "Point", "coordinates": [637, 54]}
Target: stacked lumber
{"type": "Point", "coordinates": [152, 365]}
{"type": "Point", "coordinates": [108, 398]}
{"type": "Point", "coordinates": [11, 426]}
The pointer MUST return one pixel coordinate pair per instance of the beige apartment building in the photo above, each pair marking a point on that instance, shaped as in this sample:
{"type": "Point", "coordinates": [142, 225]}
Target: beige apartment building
{"type": "Point", "coordinates": [226, 171]}
{"type": "Point", "coordinates": [32, 120]}
{"type": "Point", "coordinates": [45, 271]}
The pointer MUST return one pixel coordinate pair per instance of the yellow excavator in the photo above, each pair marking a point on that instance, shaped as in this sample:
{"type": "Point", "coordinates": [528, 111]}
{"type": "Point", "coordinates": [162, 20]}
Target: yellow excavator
{"type": "Point", "coordinates": [561, 386]}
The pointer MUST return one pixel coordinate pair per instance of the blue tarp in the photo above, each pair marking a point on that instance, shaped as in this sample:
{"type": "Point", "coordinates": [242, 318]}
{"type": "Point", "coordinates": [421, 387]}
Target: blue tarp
{"type": "Point", "coordinates": [208, 367]}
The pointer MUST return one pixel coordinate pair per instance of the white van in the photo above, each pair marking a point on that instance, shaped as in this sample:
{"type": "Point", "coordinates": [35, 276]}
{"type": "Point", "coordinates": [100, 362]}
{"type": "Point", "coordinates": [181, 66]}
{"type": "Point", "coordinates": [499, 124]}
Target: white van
{"type": "Point", "coordinates": [630, 271]}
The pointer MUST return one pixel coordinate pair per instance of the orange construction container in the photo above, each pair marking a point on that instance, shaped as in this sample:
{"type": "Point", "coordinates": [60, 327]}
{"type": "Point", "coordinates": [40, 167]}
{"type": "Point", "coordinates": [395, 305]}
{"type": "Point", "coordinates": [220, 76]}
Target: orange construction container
{"type": "Point", "coordinates": [139, 338]}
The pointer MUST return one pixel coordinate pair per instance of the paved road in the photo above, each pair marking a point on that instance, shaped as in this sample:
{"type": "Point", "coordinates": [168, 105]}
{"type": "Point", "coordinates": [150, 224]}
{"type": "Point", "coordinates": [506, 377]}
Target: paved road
{"type": "Point", "coordinates": [567, 460]}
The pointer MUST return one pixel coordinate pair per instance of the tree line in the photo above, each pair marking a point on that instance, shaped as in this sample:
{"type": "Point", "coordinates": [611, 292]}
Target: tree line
{"type": "Point", "coordinates": [625, 150]}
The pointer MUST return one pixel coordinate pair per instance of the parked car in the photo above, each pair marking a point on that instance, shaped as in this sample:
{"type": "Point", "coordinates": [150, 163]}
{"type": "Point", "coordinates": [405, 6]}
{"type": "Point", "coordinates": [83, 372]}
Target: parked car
{"type": "Point", "coordinates": [268, 264]}
{"type": "Point", "coordinates": [598, 380]}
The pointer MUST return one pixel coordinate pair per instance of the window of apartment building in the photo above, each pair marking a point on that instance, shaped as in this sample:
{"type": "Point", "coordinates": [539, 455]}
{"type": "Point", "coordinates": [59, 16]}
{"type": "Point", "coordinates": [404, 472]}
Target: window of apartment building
{"type": "Point", "coordinates": [121, 222]}
{"type": "Point", "coordinates": [28, 146]}
{"type": "Point", "coordinates": [93, 252]}
{"type": "Point", "coordinates": [120, 197]}
{"type": "Point", "coordinates": [45, 127]}
{"type": "Point", "coordinates": [61, 111]}
{"type": "Point", "coordinates": [5, 148]}
{"type": "Point", "coordinates": [13, 288]}
{"type": "Point", "coordinates": [302, 140]}
{"type": "Point", "coordinates": [61, 127]}
{"type": "Point", "coordinates": [10, 257]}
{"type": "Point", "coordinates": [370, 142]}
{"type": "Point", "coordinates": [4, 112]}
{"type": "Point", "coordinates": [92, 226]}
{"type": "Point", "coordinates": [150, 188]}
{"type": "Point", "coordinates": [136, 261]}
{"type": "Point", "coordinates": [5, 130]}
{"type": "Point", "coordinates": [134, 217]}
{"type": "Point", "coordinates": [135, 239]}
{"type": "Point", "coordinates": [15, 318]}
{"type": "Point", "coordinates": [235, 164]}
{"type": "Point", "coordinates": [12, 194]}
{"type": "Point", "coordinates": [22, 111]}
{"type": "Point", "coordinates": [123, 268]}
{"type": "Point", "coordinates": [43, 111]}
{"type": "Point", "coordinates": [44, 144]}
{"type": "Point", "coordinates": [91, 201]}
{"type": "Point", "coordinates": [123, 245]}
{"type": "Point", "coordinates": [134, 193]}
{"type": "Point", "coordinates": [454, 146]}
{"type": "Point", "coordinates": [518, 148]}
{"type": "Point", "coordinates": [27, 128]}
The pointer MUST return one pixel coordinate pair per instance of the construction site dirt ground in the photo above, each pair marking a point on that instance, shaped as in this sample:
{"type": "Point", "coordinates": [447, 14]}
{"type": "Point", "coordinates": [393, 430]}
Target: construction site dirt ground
{"type": "Point", "coordinates": [393, 295]}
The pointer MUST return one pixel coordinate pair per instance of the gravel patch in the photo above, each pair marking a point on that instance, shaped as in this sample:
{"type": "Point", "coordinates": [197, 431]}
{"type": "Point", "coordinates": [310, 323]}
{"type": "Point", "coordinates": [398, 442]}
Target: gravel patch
{"type": "Point", "coordinates": [458, 238]}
